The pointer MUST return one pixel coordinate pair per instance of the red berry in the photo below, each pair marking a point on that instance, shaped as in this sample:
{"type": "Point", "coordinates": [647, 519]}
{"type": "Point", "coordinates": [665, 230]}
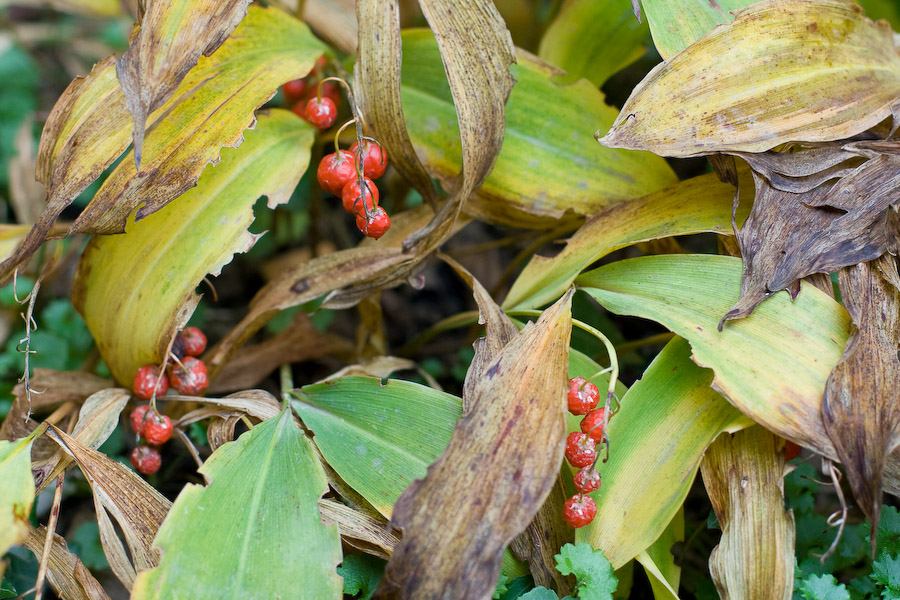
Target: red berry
{"type": "Point", "coordinates": [791, 450]}
{"type": "Point", "coordinates": [295, 89]}
{"type": "Point", "coordinates": [374, 158]}
{"type": "Point", "coordinates": [376, 225]}
{"type": "Point", "coordinates": [146, 380]}
{"type": "Point", "coordinates": [335, 171]}
{"type": "Point", "coordinates": [587, 480]}
{"type": "Point", "coordinates": [592, 424]}
{"type": "Point", "coordinates": [137, 417]}
{"type": "Point", "coordinates": [190, 380]}
{"type": "Point", "coordinates": [579, 510]}
{"type": "Point", "coordinates": [583, 397]}
{"type": "Point", "coordinates": [353, 200]}
{"type": "Point", "coordinates": [157, 429]}
{"type": "Point", "coordinates": [194, 341]}
{"type": "Point", "coordinates": [328, 89]}
{"type": "Point", "coordinates": [581, 450]}
{"type": "Point", "coordinates": [146, 459]}
{"type": "Point", "coordinates": [321, 112]}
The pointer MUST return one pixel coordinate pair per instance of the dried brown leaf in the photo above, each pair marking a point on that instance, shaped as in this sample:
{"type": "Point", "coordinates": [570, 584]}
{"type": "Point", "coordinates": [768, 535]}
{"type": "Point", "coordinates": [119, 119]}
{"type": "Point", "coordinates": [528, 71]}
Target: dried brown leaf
{"type": "Point", "coordinates": [67, 574]}
{"type": "Point", "coordinates": [356, 527]}
{"type": "Point", "coordinates": [172, 37]}
{"type": "Point", "coordinates": [861, 409]}
{"type": "Point", "coordinates": [454, 526]}
{"type": "Point", "coordinates": [136, 506]}
{"type": "Point", "coordinates": [743, 474]}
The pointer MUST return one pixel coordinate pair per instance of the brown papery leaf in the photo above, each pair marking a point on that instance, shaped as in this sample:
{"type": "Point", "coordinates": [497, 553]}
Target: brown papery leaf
{"type": "Point", "coordinates": [67, 574]}
{"type": "Point", "coordinates": [477, 50]}
{"type": "Point", "coordinates": [377, 78]}
{"type": "Point", "coordinates": [861, 408]}
{"type": "Point", "coordinates": [356, 527]}
{"type": "Point", "coordinates": [172, 37]}
{"type": "Point", "coordinates": [136, 506]}
{"type": "Point", "coordinates": [790, 236]}
{"type": "Point", "coordinates": [743, 474]}
{"type": "Point", "coordinates": [498, 469]}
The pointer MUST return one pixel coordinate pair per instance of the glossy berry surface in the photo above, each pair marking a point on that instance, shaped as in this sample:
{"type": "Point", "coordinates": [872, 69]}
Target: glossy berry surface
{"type": "Point", "coordinates": [583, 397]}
{"type": "Point", "coordinates": [295, 89]}
{"type": "Point", "coordinates": [376, 225]}
{"type": "Point", "coordinates": [321, 112]}
{"type": "Point", "coordinates": [581, 450]}
{"type": "Point", "coordinates": [194, 341]}
{"type": "Point", "coordinates": [374, 158]}
{"type": "Point", "coordinates": [355, 202]}
{"type": "Point", "coordinates": [335, 171]}
{"type": "Point", "coordinates": [138, 417]}
{"type": "Point", "coordinates": [791, 450]}
{"type": "Point", "coordinates": [579, 510]}
{"type": "Point", "coordinates": [145, 380]}
{"type": "Point", "coordinates": [146, 459]}
{"type": "Point", "coordinates": [157, 429]}
{"type": "Point", "coordinates": [592, 424]}
{"type": "Point", "coordinates": [190, 380]}
{"type": "Point", "coordinates": [587, 480]}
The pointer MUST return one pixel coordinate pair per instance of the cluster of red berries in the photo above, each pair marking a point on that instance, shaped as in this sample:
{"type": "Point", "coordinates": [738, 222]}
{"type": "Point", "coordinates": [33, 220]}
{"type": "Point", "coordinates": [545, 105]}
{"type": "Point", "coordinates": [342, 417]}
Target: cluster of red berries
{"type": "Point", "coordinates": [313, 99]}
{"type": "Point", "coordinates": [349, 174]}
{"type": "Point", "coordinates": [581, 450]}
{"type": "Point", "coordinates": [186, 374]}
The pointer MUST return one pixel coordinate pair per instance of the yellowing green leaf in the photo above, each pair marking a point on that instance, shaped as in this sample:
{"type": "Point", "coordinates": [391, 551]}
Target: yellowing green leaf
{"type": "Point", "coordinates": [148, 275]}
{"type": "Point", "coordinates": [783, 70]}
{"type": "Point", "coordinates": [676, 24]}
{"type": "Point", "coordinates": [91, 8]}
{"type": "Point", "coordinates": [16, 491]}
{"type": "Point", "coordinates": [261, 504]}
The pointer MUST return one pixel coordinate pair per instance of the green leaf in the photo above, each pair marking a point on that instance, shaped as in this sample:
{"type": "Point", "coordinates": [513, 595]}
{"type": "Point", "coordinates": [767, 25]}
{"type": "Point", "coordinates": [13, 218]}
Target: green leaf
{"type": "Point", "coordinates": [888, 535]}
{"type": "Point", "coordinates": [548, 132]}
{"type": "Point", "coordinates": [594, 39]}
{"type": "Point", "coordinates": [676, 24]}
{"type": "Point", "coordinates": [823, 587]}
{"type": "Point", "coordinates": [362, 574]}
{"type": "Point", "coordinates": [16, 490]}
{"type": "Point", "coordinates": [772, 365]}
{"type": "Point", "coordinates": [148, 275]}
{"type": "Point", "coordinates": [666, 421]}
{"type": "Point", "coordinates": [378, 437]}
{"type": "Point", "coordinates": [596, 580]}
{"type": "Point", "coordinates": [886, 572]}
{"type": "Point", "coordinates": [85, 542]}
{"type": "Point", "coordinates": [7, 590]}
{"type": "Point", "coordinates": [540, 593]}
{"type": "Point", "coordinates": [659, 561]}
{"type": "Point", "coordinates": [260, 517]}
{"type": "Point", "coordinates": [501, 588]}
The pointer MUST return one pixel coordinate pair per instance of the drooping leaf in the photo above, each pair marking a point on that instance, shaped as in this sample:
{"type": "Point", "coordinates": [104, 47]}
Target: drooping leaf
{"type": "Point", "coordinates": [659, 563]}
{"type": "Point", "coordinates": [65, 571]}
{"type": "Point", "coordinates": [378, 438]}
{"type": "Point", "coordinates": [782, 71]}
{"type": "Point", "coordinates": [165, 256]}
{"type": "Point", "coordinates": [274, 546]}
{"type": "Point", "coordinates": [16, 491]}
{"type": "Point", "coordinates": [772, 365]}
{"type": "Point", "coordinates": [171, 38]}
{"type": "Point", "coordinates": [743, 475]}
{"type": "Point", "coordinates": [593, 39]}
{"type": "Point", "coordinates": [455, 526]}
{"type": "Point", "coordinates": [677, 24]}
{"type": "Point", "coordinates": [859, 409]}
{"type": "Point", "coordinates": [546, 135]}
{"type": "Point", "coordinates": [692, 206]}
{"type": "Point", "coordinates": [657, 440]}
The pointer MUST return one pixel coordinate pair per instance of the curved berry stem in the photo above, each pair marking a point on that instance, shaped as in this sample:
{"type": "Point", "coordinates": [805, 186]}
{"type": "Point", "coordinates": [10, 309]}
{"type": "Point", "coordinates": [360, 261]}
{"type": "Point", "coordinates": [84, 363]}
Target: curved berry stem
{"type": "Point", "coordinates": [340, 130]}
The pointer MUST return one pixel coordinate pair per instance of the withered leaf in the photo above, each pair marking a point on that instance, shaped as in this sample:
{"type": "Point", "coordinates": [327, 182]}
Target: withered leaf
{"type": "Point", "coordinates": [172, 37]}
{"type": "Point", "coordinates": [67, 574]}
{"type": "Point", "coordinates": [454, 526]}
{"type": "Point", "coordinates": [790, 236]}
{"type": "Point", "coordinates": [137, 507]}
{"type": "Point", "coordinates": [861, 408]}
{"type": "Point", "coordinates": [358, 529]}
{"type": "Point", "coordinates": [743, 474]}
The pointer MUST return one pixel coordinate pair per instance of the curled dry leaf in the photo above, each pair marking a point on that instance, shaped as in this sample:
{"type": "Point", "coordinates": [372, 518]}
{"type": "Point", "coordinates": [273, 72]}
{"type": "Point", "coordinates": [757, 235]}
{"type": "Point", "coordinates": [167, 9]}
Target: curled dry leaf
{"type": "Point", "coordinates": [860, 411]}
{"type": "Point", "coordinates": [171, 38]}
{"type": "Point", "coordinates": [743, 474]}
{"type": "Point", "coordinates": [782, 71]}
{"type": "Point", "coordinates": [67, 574]}
{"type": "Point", "coordinates": [454, 526]}
{"type": "Point", "coordinates": [136, 506]}
{"type": "Point", "coordinates": [361, 531]}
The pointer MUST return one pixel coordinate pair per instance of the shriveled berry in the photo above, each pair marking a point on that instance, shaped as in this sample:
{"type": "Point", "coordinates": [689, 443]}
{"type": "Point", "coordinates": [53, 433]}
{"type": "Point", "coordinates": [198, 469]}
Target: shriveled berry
{"type": "Point", "coordinates": [583, 397]}
{"type": "Point", "coordinates": [146, 380]}
{"type": "Point", "coordinates": [138, 417]}
{"type": "Point", "coordinates": [579, 510]}
{"type": "Point", "coordinates": [194, 341]}
{"type": "Point", "coordinates": [321, 112]}
{"type": "Point", "coordinates": [295, 89]}
{"type": "Point", "coordinates": [374, 158]}
{"type": "Point", "coordinates": [791, 450]}
{"type": "Point", "coordinates": [355, 202]}
{"type": "Point", "coordinates": [190, 380]}
{"type": "Point", "coordinates": [581, 450]}
{"type": "Point", "coordinates": [592, 423]}
{"type": "Point", "coordinates": [376, 225]}
{"type": "Point", "coordinates": [587, 480]}
{"type": "Point", "coordinates": [146, 459]}
{"type": "Point", "coordinates": [335, 171]}
{"type": "Point", "coordinates": [157, 429]}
